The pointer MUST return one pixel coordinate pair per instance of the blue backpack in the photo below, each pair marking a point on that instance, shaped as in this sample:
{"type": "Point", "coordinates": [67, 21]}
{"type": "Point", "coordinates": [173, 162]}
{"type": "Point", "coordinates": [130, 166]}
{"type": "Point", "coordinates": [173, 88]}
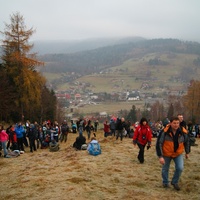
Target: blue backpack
{"type": "Point", "coordinates": [94, 149]}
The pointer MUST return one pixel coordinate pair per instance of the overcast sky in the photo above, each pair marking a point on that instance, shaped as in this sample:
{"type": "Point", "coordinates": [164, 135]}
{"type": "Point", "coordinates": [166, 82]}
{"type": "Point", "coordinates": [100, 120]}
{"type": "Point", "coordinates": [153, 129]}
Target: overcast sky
{"type": "Point", "coordinates": [83, 19]}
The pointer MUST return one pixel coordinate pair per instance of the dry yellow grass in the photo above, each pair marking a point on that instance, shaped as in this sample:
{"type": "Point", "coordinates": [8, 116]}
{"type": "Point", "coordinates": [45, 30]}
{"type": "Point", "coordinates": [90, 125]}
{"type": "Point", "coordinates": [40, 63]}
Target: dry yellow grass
{"type": "Point", "coordinates": [115, 174]}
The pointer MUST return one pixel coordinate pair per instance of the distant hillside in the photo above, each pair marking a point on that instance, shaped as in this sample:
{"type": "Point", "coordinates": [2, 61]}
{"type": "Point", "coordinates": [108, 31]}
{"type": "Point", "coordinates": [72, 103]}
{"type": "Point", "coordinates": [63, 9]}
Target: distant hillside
{"type": "Point", "coordinates": [95, 60]}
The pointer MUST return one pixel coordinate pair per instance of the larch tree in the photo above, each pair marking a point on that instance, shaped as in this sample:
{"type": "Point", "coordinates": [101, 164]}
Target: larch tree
{"type": "Point", "coordinates": [20, 65]}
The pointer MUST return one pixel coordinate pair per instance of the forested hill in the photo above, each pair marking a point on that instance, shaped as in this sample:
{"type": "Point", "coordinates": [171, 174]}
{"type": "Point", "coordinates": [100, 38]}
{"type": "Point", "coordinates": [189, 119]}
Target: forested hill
{"type": "Point", "coordinates": [90, 61]}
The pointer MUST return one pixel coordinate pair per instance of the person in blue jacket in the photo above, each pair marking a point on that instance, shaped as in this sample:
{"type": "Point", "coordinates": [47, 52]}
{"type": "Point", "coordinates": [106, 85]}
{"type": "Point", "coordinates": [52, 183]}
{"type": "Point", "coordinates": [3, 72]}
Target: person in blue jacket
{"type": "Point", "coordinates": [19, 129]}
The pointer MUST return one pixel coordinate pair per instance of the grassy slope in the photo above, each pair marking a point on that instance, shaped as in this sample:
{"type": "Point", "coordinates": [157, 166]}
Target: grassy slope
{"type": "Point", "coordinates": [115, 174]}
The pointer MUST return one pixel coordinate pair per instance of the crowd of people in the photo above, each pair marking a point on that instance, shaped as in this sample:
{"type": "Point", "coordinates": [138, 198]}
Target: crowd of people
{"type": "Point", "coordinates": [173, 137]}
{"type": "Point", "coordinates": [46, 135]}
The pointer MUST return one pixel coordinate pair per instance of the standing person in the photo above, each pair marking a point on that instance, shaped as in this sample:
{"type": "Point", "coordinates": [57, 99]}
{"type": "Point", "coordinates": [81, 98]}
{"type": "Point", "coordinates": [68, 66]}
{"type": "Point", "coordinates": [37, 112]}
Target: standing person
{"type": "Point", "coordinates": [196, 128]}
{"type": "Point", "coordinates": [19, 129]}
{"type": "Point", "coordinates": [182, 122]}
{"type": "Point", "coordinates": [3, 140]}
{"type": "Point", "coordinates": [25, 141]}
{"type": "Point", "coordinates": [54, 132]}
{"type": "Point", "coordinates": [40, 136]}
{"type": "Point", "coordinates": [106, 128]}
{"type": "Point", "coordinates": [112, 127]}
{"type": "Point", "coordinates": [171, 143]}
{"type": "Point", "coordinates": [128, 128]}
{"type": "Point", "coordinates": [142, 136]}
{"type": "Point", "coordinates": [80, 125]}
{"type": "Point", "coordinates": [88, 128]}
{"type": "Point", "coordinates": [64, 131]}
{"type": "Point", "coordinates": [96, 124]}
{"type": "Point", "coordinates": [120, 127]}
{"type": "Point", "coordinates": [188, 128]}
{"type": "Point", "coordinates": [12, 138]}
{"type": "Point", "coordinates": [32, 137]}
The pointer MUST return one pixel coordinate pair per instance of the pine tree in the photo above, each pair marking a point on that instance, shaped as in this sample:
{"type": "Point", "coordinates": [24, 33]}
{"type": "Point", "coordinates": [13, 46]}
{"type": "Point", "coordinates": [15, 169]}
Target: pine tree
{"type": "Point", "coordinates": [132, 114]}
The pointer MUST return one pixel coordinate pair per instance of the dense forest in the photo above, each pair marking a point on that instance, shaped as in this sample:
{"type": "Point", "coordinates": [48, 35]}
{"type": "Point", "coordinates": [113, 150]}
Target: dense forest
{"type": "Point", "coordinates": [91, 61]}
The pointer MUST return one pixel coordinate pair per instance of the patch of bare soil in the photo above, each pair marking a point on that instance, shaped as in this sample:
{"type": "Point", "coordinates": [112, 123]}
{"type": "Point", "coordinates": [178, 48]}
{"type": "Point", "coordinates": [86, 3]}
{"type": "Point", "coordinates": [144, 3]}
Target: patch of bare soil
{"type": "Point", "coordinates": [115, 174]}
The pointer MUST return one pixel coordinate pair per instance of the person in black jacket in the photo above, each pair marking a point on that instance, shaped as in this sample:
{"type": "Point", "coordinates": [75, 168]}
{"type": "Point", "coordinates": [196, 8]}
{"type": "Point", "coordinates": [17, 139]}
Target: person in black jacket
{"type": "Point", "coordinates": [80, 140]}
{"type": "Point", "coordinates": [32, 137]}
{"type": "Point", "coordinates": [120, 128]}
{"type": "Point", "coordinates": [182, 122]}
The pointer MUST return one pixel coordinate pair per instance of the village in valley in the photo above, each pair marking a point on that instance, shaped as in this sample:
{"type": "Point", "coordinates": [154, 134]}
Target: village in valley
{"type": "Point", "coordinates": [81, 94]}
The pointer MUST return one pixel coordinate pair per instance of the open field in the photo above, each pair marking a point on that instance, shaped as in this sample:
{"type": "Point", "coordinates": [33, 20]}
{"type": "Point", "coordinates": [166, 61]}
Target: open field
{"type": "Point", "coordinates": [115, 174]}
{"type": "Point", "coordinates": [110, 108]}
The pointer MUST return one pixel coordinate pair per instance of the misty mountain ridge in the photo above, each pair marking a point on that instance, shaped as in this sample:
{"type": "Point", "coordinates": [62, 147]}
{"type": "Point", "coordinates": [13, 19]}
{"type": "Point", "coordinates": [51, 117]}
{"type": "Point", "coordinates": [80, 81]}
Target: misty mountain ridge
{"type": "Point", "coordinates": [61, 46]}
{"type": "Point", "coordinates": [95, 60]}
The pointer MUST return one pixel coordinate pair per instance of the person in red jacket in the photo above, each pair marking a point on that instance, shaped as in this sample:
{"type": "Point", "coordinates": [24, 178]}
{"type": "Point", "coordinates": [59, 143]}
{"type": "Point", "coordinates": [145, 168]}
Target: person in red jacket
{"type": "Point", "coordinates": [142, 136]}
{"type": "Point", "coordinates": [106, 128]}
{"type": "Point", "coordinates": [12, 142]}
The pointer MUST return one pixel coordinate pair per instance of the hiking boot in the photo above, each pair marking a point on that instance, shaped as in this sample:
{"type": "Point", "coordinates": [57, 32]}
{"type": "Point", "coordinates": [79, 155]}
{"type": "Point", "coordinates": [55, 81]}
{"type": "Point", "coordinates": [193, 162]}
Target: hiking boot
{"type": "Point", "coordinates": [165, 185]}
{"type": "Point", "coordinates": [176, 186]}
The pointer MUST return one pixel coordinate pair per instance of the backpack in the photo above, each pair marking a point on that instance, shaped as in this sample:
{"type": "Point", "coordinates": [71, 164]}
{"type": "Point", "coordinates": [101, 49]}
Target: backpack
{"type": "Point", "coordinates": [54, 146]}
{"type": "Point", "coordinates": [94, 149]}
{"type": "Point", "coordinates": [64, 128]}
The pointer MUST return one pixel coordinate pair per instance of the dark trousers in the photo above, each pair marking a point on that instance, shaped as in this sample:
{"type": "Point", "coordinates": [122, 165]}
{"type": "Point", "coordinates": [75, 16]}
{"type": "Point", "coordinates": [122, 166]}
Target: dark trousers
{"type": "Point", "coordinates": [32, 145]}
{"type": "Point", "coordinates": [112, 131]}
{"type": "Point", "coordinates": [20, 144]}
{"type": "Point", "coordinates": [119, 134]}
{"type": "Point", "coordinates": [25, 141]}
{"type": "Point", "coordinates": [141, 153]}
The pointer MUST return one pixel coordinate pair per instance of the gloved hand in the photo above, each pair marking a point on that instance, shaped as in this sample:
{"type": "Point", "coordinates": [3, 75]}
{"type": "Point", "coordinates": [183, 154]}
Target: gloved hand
{"type": "Point", "coordinates": [148, 147]}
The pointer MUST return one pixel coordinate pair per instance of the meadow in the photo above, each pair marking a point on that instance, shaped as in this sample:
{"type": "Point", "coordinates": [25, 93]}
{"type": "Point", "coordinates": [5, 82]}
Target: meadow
{"type": "Point", "coordinates": [115, 174]}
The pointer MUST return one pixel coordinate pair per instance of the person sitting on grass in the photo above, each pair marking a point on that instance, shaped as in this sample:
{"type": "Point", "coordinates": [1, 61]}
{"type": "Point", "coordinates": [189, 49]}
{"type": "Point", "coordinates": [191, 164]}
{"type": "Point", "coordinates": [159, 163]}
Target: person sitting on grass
{"type": "Point", "coordinates": [94, 147]}
{"type": "Point", "coordinates": [80, 140]}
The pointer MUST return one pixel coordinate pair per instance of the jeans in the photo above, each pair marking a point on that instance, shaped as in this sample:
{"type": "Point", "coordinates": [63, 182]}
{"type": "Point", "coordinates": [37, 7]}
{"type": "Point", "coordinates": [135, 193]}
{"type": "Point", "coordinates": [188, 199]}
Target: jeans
{"type": "Point", "coordinates": [80, 129]}
{"type": "Point", "coordinates": [178, 169]}
{"type": "Point", "coordinates": [4, 148]}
